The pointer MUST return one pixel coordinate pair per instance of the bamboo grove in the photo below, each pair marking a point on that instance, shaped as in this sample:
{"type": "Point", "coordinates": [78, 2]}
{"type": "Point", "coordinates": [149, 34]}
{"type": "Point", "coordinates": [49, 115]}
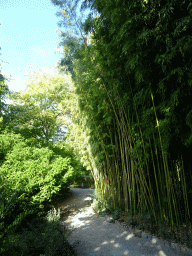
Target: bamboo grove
{"type": "Point", "coordinates": [131, 67]}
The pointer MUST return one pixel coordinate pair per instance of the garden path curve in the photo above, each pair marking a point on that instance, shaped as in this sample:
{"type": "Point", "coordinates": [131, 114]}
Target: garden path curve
{"type": "Point", "coordinates": [96, 236]}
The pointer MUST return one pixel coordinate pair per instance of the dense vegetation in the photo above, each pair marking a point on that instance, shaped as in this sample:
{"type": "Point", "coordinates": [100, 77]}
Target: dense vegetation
{"type": "Point", "coordinates": [124, 94]}
{"type": "Point", "coordinates": [130, 63]}
{"type": "Point", "coordinates": [37, 164]}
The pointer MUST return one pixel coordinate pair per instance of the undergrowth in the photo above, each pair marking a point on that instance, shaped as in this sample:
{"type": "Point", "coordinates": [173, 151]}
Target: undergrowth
{"type": "Point", "coordinates": [39, 237]}
{"type": "Point", "coordinates": [144, 222]}
{"type": "Point", "coordinates": [39, 234]}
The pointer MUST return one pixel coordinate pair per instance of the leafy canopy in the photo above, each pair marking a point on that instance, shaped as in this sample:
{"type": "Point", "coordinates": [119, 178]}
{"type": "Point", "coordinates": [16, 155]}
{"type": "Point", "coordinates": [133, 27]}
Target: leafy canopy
{"type": "Point", "coordinates": [40, 111]}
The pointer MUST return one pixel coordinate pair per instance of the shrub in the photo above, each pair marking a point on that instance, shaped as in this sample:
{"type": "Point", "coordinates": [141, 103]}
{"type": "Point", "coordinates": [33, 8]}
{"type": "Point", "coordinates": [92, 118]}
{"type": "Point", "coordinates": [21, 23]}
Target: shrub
{"type": "Point", "coordinates": [117, 212]}
{"type": "Point", "coordinates": [29, 177]}
{"type": "Point", "coordinates": [40, 237]}
{"type": "Point", "coordinates": [12, 212]}
{"type": "Point", "coordinates": [38, 172]}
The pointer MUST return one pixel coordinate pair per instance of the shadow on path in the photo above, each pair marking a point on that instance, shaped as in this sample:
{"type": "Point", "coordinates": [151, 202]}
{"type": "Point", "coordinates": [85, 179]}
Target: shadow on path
{"type": "Point", "coordinates": [95, 236]}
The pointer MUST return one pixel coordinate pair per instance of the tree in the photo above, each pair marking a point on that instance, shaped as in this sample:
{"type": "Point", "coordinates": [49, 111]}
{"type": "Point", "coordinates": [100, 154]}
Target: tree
{"type": "Point", "coordinates": [137, 40]}
{"type": "Point", "coordinates": [40, 111]}
{"type": "Point", "coordinates": [30, 177]}
{"type": "Point", "coordinates": [139, 117]}
{"type": "Point", "coordinates": [3, 92]}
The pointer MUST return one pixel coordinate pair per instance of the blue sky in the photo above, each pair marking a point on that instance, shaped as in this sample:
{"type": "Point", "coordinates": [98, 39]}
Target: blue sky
{"type": "Point", "coordinates": [28, 38]}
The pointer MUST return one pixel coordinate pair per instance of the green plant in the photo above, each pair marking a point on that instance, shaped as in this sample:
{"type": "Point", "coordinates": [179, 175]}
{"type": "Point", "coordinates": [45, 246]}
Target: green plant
{"type": "Point", "coordinates": [52, 215]}
{"type": "Point", "coordinates": [38, 172]}
{"type": "Point", "coordinates": [92, 194]}
{"type": "Point", "coordinates": [13, 211]}
{"type": "Point", "coordinates": [39, 237]}
{"type": "Point", "coordinates": [137, 125]}
{"type": "Point", "coordinates": [117, 212]}
{"type": "Point", "coordinates": [103, 212]}
{"type": "Point", "coordinates": [68, 233]}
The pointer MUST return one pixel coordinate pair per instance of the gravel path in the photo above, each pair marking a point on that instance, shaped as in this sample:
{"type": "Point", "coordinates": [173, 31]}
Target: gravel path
{"type": "Point", "coordinates": [96, 236]}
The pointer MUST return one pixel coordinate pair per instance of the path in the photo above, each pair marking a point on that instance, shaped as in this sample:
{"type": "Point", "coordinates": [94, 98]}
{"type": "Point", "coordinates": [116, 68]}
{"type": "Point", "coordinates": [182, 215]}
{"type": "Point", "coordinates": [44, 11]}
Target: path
{"type": "Point", "coordinates": [95, 236]}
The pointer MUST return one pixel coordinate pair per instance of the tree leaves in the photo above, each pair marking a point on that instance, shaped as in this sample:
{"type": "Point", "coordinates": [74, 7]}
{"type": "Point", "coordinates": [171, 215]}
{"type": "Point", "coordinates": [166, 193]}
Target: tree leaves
{"type": "Point", "coordinates": [134, 86]}
{"type": "Point", "coordinates": [42, 105]}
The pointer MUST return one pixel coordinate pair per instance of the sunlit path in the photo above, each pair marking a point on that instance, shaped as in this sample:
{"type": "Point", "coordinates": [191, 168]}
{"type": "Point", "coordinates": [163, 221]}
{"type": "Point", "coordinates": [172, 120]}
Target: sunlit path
{"type": "Point", "coordinates": [95, 236]}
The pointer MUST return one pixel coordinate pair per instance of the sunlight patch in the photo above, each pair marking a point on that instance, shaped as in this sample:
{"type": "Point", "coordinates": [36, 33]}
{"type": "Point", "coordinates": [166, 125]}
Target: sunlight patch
{"type": "Point", "coordinates": [161, 253]}
{"type": "Point", "coordinates": [97, 249]}
{"type": "Point", "coordinates": [129, 237]}
{"type": "Point", "coordinates": [105, 242]}
{"type": "Point", "coordinates": [88, 198]}
{"type": "Point", "coordinates": [124, 233]}
{"type": "Point", "coordinates": [154, 240]}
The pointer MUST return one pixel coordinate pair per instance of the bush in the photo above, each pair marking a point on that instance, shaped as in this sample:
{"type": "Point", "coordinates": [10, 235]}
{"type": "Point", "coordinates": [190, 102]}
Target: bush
{"type": "Point", "coordinates": [12, 213]}
{"type": "Point", "coordinates": [38, 172]}
{"type": "Point", "coordinates": [7, 142]}
{"type": "Point", "coordinates": [117, 212]}
{"type": "Point", "coordinates": [40, 237]}
{"type": "Point", "coordinates": [30, 176]}
{"type": "Point", "coordinates": [79, 171]}
{"type": "Point", "coordinates": [88, 182]}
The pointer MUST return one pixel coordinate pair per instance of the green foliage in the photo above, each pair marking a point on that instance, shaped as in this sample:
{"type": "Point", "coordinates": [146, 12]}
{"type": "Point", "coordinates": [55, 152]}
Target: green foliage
{"type": "Point", "coordinates": [104, 206]}
{"type": "Point", "coordinates": [89, 24]}
{"type": "Point", "coordinates": [39, 112]}
{"type": "Point", "coordinates": [133, 84]}
{"type": "Point", "coordinates": [3, 93]}
{"type": "Point", "coordinates": [7, 142]}
{"type": "Point", "coordinates": [117, 212]}
{"type": "Point", "coordinates": [39, 237]}
{"type": "Point", "coordinates": [30, 176]}
{"type": "Point", "coordinates": [12, 212]}
{"type": "Point", "coordinates": [78, 171]}
{"type": "Point", "coordinates": [39, 172]}
{"type": "Point", "coordinates": [52, 215]}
